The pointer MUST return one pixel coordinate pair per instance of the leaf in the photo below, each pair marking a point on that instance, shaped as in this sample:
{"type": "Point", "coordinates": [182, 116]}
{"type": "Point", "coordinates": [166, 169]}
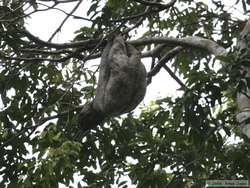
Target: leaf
{"type": "Point", "coordinates": [93, 8]}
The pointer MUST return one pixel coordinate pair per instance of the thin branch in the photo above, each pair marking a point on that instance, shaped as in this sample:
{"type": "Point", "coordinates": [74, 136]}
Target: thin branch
{"type": "Point", "coordinates": [139, 21]}
{"type": "Point", "coordinates": [170, 72]}
{"type": "Point", "coordinates": [86, 44]}
{"type": "Point", "coordinates": [40, 51]}
{"type": "Point", "coordinates": [147, 10]}
{"type": "Point", "coordinates": [151, 53]}
{"type": "Point", "coordinates": [146, 13]}
{"type": "Point", "coordinates": [64, 12]}
{"type": "Point", "coordinates": [135, 16]}
{"type": "Point", "coordinates": [149, 79]}
{"type": "Point", "coordinates": [136, 24]}
{"type": "Point", "coordinates": [57, 1]}
{"type": "Point", "coordinates": [159, 5]}
{"type": "Point", "coordinates": [65, 19]}
{"type": "Point", "coordinates": [162, 63]}
{"type": "Point", "coordinates": [172, 53]}
{"type": "Point", "coordinates": [36, 59]}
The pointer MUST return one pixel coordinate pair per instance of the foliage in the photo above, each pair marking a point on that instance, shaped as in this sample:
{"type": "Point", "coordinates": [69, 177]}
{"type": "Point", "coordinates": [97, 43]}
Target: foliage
{"type": "Point", "coordinates": [176, 141]}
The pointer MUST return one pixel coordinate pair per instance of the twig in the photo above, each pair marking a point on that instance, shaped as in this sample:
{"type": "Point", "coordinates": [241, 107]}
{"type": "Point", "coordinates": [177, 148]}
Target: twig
{"type": "Point", "coordinates": [58, 1]}
{"type": "Point", "coordinates": [65, 19]}
{"type": "Point", "coordinates": [75, 54]}
{"type": "Point", "coordinates": [172, 53]}
{"type": "Point", "coordinates": [138, 22]}
{"type": "Point", "coordinates": [150, 11]}
{"type": "Point", "coordinates": [40, 51]}
{"type": "Point", "coordinates": [170, 72]}
{"type": "Point", "coordinates": [159, 5]}
{"type": "Point", "coordinates": [162, 63]}
{"type": "Point", "coordinates": [149, 79]}
{"type": "Point", "coordinates": [55, 8]}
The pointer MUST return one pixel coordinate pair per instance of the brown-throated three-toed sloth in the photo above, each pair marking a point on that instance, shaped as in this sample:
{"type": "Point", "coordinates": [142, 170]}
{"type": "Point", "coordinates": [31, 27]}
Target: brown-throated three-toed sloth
{"type": "Point", "coordinates": [121, 84]}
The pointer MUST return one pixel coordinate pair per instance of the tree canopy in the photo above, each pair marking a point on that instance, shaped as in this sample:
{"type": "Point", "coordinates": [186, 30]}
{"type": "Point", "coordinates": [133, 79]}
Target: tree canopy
{"type": "Point", "coordinates": [176, 141]}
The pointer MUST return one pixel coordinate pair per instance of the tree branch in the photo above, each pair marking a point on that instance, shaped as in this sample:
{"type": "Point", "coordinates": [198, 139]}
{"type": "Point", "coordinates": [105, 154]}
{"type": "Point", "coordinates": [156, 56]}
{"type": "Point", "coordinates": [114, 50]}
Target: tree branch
{"type": "Point", "coordinates": [159, 5]}
{"type": "Point", "coordinates": [146, 13]}
{"type": "Point", "coordinates": [46, 52]}
{"type": "Point", "coordinates": [172, 53]}
{"type": "Point", "coordinates": [65, 19]}
{"type": "Point", "coordinates": [188, 42]}
{"type": "Point", "coordinates": [193, 42]}
{"type": "Point", "coordinates": [58, 1]}
{"type": "Point", "coordinates": [170, 72]}
{"type": "Point", "coordinates": [150, 53]}
{"type": "Point", "coordinates": [86, 44]}
{"type": "Point", "coordinates": [64, 12]}
{"type": "Point", "coordinates": [162, 63]}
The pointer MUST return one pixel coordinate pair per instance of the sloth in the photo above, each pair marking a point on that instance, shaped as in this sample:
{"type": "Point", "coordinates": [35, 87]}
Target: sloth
{"type": "Point", "coordinates": [121, 84]}
{"type": "Point", "coordinates": [122, 80]}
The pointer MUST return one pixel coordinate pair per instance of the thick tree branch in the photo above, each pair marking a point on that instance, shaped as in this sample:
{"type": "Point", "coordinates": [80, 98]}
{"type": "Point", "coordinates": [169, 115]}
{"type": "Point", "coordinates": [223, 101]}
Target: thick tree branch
{"type": "Point", "coordinates": [151, 53]}
{"type": "Point", "coordinates": [188, 42]}
{"type": "Point", "coordinates": [193, 42]}
{"type": "Point", "coordinates": [86, 44]}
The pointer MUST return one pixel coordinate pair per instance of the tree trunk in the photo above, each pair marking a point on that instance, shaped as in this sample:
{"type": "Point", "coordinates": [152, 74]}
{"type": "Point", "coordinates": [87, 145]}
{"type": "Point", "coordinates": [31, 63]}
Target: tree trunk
{"type": "Point", "coordinates": [243, 97]}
